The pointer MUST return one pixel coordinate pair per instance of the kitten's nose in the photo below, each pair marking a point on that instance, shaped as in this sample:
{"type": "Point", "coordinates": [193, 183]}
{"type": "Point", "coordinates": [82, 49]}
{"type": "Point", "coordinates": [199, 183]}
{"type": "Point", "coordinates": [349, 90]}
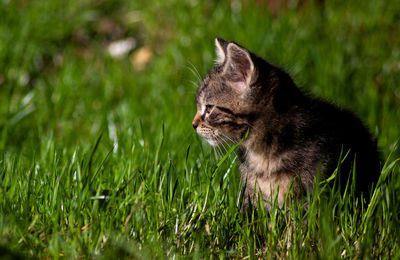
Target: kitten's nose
{"type": "Point", "coordinates": [196, 121]}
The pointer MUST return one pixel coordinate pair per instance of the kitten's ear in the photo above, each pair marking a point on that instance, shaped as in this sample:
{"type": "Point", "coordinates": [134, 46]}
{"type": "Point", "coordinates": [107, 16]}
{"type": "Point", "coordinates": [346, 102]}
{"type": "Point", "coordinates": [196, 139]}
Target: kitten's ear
{"type": "Point", "coordinates": [239, 67]}
{"type": "Point", "coordinates": [221, 49]}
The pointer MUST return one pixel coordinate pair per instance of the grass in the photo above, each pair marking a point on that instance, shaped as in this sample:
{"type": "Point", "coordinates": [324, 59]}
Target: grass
{"type": "Point", "coordinates": [98, 158]}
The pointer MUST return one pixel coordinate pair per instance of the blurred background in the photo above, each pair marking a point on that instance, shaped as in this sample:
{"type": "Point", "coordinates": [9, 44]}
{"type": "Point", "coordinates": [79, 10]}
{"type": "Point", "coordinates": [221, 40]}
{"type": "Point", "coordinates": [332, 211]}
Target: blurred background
{"type": "Point", "coordinates": [95, 94]}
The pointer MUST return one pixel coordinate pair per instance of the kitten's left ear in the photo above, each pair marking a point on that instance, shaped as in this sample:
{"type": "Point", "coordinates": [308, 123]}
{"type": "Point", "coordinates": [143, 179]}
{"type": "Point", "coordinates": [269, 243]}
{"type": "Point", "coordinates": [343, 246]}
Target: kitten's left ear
{"type": "Point", "coordinates": [239, 67]}
{"type": "Point", "coordinates": [221, 49]}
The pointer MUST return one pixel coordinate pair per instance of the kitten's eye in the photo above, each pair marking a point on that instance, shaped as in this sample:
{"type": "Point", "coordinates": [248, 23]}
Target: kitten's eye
{"type": "Point", "coordinates": [208, 109]}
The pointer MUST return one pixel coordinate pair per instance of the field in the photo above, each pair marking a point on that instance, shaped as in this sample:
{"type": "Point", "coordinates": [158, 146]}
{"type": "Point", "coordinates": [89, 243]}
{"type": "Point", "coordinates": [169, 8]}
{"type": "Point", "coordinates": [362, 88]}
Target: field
{"type": "Point", "coordinates": [98, 158]}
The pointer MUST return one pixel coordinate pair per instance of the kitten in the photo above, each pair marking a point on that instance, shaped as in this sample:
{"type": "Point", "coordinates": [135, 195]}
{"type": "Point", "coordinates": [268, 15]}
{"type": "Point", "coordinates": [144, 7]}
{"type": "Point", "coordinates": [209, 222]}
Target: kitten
{"type": "Point", "coordinates": [291, 137]}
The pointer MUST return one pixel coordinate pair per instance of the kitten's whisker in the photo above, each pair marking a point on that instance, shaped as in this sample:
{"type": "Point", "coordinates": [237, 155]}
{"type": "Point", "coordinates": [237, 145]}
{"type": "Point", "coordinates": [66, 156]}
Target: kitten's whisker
{"type": "Point", "coordinates": [216, 149]}
{"type": "Point", "coordinates": [195, 72]}
{"type": "Point", "coordinates": [194, 84]}
{"type": "Point", "coordinates": [221, 140]}
{"type": "Point", "coordinates": [215, 153]}
{"type": "Point", "coordinates": [230, 139]}
{"type": "Point", "coordinates": [227, 138]}
{"type": "Point", "coordinates": [224, 137]}
{"type": "Point", "coordinates": [224, 143]}
{"type": "Point", "coordinates": [224, 148]}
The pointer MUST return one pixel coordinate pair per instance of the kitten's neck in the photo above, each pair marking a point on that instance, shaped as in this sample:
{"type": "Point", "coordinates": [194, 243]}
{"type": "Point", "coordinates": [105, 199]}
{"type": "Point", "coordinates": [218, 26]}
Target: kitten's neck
{"type": "Point", "coordinates": [276, 130]}
{"type": "Point", "coordinates": [262, 152]}
{"type": "Point", "coordinates": [279, 121]}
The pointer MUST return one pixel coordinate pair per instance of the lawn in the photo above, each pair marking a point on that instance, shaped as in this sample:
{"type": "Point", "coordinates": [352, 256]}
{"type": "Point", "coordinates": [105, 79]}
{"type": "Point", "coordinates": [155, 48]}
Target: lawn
{"type": "Point", "coordinates": [98, 158]}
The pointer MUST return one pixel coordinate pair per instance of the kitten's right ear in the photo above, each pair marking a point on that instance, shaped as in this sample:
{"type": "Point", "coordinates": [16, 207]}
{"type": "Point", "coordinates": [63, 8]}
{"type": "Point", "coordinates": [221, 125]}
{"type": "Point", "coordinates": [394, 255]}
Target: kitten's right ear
{"type": "Point", "coordinates": [221, 50]}
{"type": "Point", "coordinates": [239, 67]}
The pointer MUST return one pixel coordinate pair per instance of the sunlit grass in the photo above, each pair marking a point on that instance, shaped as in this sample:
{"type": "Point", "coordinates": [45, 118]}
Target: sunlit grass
{"type": "Point", "coordinates": [99, 159]}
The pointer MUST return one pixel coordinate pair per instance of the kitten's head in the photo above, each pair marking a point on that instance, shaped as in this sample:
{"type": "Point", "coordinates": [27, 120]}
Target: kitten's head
{"type": "Point", "coordinates": [228, 96]}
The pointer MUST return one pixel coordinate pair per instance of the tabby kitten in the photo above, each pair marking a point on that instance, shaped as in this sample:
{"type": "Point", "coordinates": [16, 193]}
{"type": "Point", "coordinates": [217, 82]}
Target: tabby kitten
{"type": "Point", "coordinates": [291, 137]}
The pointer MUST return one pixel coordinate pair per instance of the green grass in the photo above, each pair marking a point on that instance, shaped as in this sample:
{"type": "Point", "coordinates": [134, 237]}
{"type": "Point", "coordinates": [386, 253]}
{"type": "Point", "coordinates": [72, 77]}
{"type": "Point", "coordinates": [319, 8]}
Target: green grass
{"type": "Point", "coordinates": [98, 159]}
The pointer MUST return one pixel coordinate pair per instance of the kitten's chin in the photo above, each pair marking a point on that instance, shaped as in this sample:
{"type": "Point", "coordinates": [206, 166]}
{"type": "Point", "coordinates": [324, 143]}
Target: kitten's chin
{"type": "Point", "coordinates": [211, 142]}
{"type": "Point", "coordinates": [208, 139]}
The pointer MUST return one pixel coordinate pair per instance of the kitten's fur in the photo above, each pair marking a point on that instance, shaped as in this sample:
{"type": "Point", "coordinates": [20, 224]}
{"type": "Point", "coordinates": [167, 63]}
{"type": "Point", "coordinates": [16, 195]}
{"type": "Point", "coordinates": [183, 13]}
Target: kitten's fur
{"type": "Point", "coordinates": [291, 136]}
